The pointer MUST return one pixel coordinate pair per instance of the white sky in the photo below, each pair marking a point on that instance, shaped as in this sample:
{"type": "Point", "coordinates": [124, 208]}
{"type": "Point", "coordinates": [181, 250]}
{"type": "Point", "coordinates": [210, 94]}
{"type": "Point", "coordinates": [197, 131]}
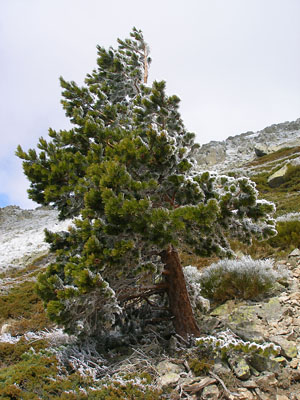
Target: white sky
{"type": "Point", "coordinates": [235, 64]}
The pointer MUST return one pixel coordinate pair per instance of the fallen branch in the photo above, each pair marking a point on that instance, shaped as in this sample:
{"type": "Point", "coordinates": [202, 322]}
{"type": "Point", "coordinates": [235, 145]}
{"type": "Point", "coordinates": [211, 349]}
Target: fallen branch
{"type": "Point", "coordinates": [216, 377]}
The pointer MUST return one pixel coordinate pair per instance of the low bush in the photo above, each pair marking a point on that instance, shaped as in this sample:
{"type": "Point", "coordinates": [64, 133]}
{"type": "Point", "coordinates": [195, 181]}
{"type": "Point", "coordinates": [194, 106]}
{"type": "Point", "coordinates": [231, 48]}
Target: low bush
{"type": "Point", "coordinates": [11, 353]}
{"type": "Point", "coordinates": [39, 376]}
{"type": "Point", "coordinates": [243, 279]}
{"type": "Point", "coordinates": [23, 305]}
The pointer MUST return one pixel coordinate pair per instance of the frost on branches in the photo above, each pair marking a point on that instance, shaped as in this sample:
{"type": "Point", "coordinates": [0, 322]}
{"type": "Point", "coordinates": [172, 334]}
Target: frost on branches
{"type": "Point", "coordinates": [125, 172]}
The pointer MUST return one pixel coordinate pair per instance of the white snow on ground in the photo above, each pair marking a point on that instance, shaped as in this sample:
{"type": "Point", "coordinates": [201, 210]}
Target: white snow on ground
{"type": "Point", "coordinates": [55, 337]}
{"type": "Point", "coordinates": [22, 234]}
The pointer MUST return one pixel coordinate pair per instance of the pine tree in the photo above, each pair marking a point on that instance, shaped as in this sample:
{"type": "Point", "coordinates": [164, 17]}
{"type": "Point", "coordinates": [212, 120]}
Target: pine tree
{"type": "Point", "coordinates": [125, 172]}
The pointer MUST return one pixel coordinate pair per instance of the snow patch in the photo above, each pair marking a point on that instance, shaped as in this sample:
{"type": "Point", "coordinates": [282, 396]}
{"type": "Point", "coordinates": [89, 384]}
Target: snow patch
{"type": "Point", "coordinates": [22, 234]}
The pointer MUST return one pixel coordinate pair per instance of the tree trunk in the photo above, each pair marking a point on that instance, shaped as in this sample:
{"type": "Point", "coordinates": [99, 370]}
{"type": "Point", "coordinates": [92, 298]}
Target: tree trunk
{"type": "Point", "coordinates": [180, 306]}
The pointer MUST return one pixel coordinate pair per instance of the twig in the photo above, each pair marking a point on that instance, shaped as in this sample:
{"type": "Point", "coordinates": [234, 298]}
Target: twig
{"type": "Point", "coordinates": [222, 383]}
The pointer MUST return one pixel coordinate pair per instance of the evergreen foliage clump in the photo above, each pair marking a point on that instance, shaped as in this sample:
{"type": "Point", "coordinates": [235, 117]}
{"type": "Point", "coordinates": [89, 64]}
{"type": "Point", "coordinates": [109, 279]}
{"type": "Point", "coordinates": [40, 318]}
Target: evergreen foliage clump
{"type": "Point", "coordinates": [226, 343]}
{"type": "Point", "coordinates": [126, 173]}
{"type": "Point", "coordinates": [238, 279]}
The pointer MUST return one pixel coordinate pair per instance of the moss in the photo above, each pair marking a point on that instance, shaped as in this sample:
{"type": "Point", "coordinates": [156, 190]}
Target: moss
{"type": "Point", "coordinates": [200, 366]}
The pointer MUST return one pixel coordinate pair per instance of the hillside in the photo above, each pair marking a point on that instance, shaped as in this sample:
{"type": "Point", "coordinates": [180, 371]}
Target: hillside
{"type": "Point", "coordinates": [250, 346]}
{"type": "Point", "coordinates": [236, 151]}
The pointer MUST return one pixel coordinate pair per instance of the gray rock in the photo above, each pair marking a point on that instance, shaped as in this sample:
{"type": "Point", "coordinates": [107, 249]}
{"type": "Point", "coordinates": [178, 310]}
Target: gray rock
{"type": "Point", "coordinates": [261, 150]}
{"type": "Point", "coordinates": [251, 384]}
{"type": "Point", "coordinates": [272, 310]}
{"type": "Point", "coordinates": [169, 373]}
{"type": "Point", "coordinates": [240, 367]}
{"type": "Point", "coordinates": [277, 178]}
{"type": "Point", "coordinates": [267, 379]}
{"type": "Point", "coordinates": [248, 335]}
{"type": "Point", "coordinates": [288, 347]}
{"type": "Point", "coordinates": [261, 363]}
{"type": "Point", "coordinates": [165, 367]}
{"type": "Point", "coordinates": [295, 253]}
{"type": "Point", "coordinates": [168, 379]}
{"type": "Point", "coordinates": [210, 392]}
{"type": "Point", "coordinates": [220, 368]}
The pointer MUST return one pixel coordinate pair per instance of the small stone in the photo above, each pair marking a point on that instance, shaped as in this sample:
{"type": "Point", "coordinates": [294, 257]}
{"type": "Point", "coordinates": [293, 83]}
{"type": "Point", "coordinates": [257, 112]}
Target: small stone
{"type": "Point", "coordinates": [267, 380]}
{"type": "Point", "coordinates": [294, 296]}
{"type": "Point", "coordinates": [165, 367]}
{"type": "Point", "coordinates": [295, 363]}
{"type": "Point", "coordinates": [244, 394]}
{"type": "Point", "coordinates": [295, 253]}
{"type": "Point", "coordinates": [5, 328]}
{"type": "Point", "coordinates": [210, 392]}
{"type": "Point", "coordinates": [168, 379]}
{"type": "Point", "coordinates": [281, 397]}
{"type": "Point", "coordinates": [240, 367]}
{"type": "Point", "coordinates": [249, 384]}
{"type": "Point", "coordinates": [261, 395]}
{"type": "Point", "coordinates": [281, 360]}
{"type": "Point", "coordinates": [288, 348]}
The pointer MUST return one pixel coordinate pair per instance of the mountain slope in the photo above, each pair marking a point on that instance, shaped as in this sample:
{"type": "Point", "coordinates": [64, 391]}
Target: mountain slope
{"type": "Point", "coordinates": [237, 150]}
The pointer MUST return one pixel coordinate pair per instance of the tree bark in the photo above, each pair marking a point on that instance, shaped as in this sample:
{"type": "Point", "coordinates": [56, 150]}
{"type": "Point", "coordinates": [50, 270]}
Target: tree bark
{"type": "Point", "coordinates": [180, 306]}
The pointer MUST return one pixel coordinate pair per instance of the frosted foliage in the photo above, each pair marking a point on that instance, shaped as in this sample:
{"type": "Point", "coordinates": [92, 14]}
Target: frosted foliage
{"type": "Point", "coordinates": [245, 265]}
{"type": "Point", "coordinates": [227, 341]}
{"type": "Point", "coordinates": [238, 214]}
{"type": "Point", "coordinates": [56, 337]}
{"type": "Point", "coordinates": [243, 278]}
{"type": "Point", "coordinates": [192, 279]}
{"type": "Point", "coordinates": [289, 217]}
{"type": "Point", "coordinates": [92, 313]}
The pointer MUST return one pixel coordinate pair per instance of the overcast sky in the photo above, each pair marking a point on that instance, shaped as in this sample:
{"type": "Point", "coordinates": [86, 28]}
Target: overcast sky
{"type": "Point", "coordinates": [235, 64]}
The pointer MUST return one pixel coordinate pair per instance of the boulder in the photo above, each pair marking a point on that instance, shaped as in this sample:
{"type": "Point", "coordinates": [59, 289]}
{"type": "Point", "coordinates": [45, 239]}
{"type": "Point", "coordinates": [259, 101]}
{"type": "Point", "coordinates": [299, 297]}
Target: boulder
{"type": "Point", "coordinates": [261, 150]}
{"type": "Point", "coordinates": [260, 363]}
{"type": "Point", "coordinates": [278, 177]}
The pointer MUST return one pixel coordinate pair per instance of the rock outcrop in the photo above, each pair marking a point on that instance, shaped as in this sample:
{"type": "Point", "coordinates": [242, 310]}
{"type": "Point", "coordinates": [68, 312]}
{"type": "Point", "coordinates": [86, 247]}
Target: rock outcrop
{"type": "Point", "coordinates": [236, 150]}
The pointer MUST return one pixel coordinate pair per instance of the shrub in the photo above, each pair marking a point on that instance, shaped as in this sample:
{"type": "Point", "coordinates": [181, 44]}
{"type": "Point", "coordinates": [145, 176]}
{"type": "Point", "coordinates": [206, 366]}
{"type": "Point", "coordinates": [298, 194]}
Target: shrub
{"type": "Point", "coordinates": [39, 376]}
{"type": "Point", "coordinates": [193, 278]}
{"type": "Point", "coordinates": [245, 279]}
{"type": "Point", "coordinates": [23, 305]}
{"type": "Point", "coordinates": [11, 353]}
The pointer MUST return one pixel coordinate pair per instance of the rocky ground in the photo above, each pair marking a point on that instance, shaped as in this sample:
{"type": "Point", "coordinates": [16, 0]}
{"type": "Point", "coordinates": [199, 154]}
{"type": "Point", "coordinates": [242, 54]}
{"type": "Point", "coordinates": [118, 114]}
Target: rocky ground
{"type": "Point", "coordinates": [252, 376]}
{"type": "Point", "coordinates": [234, 375]}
